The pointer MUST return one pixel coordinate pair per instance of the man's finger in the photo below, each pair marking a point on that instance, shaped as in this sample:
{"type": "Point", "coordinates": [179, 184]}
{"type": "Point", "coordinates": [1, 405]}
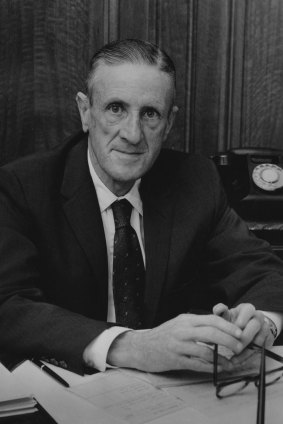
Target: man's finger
{"type": "Point", "coordinates": [223, 311]}
{"type": "Point", "coordinates": [201, 365]}
{"type": "Point", "coordinates": [238, 360]}
{"type": "Point", "coordinates": [209, 334]}
{"type": "Point", "coordinates": [216, 322]}
{"type": "Point", "coordinates": [220, 309]}
{"type": "Point", "coordinates": [244, 313]}
{"type": "Point", "coordinates": [250, 331]}
{"type": "Point", "coordinates": [264, 337]}
{"type": "Point", "coordinates": [205, 352]}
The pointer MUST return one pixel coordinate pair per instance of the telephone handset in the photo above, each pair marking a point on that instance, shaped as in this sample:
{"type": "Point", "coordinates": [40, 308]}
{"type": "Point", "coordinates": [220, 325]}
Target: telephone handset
{"type": "Point", "coordinates": [253, 179]}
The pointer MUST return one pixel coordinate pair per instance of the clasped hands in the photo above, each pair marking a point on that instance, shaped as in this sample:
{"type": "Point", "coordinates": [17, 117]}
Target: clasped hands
{"type": "Point", "coordinates": [184, 342]}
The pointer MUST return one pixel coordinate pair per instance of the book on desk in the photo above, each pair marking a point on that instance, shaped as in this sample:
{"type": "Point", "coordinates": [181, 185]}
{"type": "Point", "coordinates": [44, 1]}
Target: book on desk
{"type": "Point", "coordinates": [17, 405]}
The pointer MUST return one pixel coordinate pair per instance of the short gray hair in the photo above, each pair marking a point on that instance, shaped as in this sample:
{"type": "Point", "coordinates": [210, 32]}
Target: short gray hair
{"type": "Point", "coordinates": [130, 51]}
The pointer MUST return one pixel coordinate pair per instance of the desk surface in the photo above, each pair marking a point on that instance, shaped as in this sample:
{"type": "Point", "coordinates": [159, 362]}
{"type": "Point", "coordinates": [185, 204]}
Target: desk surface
{"type": "Point", "coordinates": [125, 396]}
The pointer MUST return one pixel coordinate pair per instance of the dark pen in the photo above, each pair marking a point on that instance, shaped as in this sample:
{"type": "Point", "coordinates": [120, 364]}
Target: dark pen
{"type": "Point", "coordinates": [50, 372]}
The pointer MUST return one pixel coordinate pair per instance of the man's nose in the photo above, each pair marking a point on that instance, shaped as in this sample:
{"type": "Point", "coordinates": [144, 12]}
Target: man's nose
{"type": "Point", "coordinates": [131, 129]}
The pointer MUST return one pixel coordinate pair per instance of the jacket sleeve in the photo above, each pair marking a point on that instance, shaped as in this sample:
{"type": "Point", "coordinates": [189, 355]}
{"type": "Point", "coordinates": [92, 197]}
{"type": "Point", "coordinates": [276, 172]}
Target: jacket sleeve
{"type": "Point", "coordinates": [29, 325]}
{"type": "Point", "coordinates": [241, 267]}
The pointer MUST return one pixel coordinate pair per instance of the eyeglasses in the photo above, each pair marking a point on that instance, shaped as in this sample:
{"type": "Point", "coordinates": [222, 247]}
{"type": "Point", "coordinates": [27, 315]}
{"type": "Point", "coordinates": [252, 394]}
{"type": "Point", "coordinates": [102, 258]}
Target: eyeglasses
{"type": "Point", "coordinates": [229, 387]}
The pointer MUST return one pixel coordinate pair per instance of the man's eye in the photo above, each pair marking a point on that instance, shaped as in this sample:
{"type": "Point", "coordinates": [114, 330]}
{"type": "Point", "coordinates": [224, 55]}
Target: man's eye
{"type": "Point", "coordinates": [151, 114]}
{"type": "Point", "coordinates": [115, 108]}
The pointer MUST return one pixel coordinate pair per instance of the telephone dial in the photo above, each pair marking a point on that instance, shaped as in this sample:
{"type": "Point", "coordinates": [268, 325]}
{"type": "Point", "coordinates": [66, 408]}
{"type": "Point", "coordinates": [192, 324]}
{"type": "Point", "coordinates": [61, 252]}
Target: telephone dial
{"type": "Point", "coordinates": [253, 180]}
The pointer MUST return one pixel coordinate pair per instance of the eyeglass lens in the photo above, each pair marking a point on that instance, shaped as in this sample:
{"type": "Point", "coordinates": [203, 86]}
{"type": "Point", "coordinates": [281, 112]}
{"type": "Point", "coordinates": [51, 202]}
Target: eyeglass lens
{"type": "Point", "coordinates": [232, 386]}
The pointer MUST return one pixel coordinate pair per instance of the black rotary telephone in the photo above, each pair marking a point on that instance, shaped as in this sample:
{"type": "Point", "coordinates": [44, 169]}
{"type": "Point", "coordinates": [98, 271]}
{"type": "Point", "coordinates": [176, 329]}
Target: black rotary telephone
{"type": "Point", "coordinates": [253, 180]}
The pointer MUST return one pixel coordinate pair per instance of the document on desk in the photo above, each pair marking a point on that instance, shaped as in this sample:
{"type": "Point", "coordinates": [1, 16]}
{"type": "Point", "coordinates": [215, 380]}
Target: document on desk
{"type": "Point", "coordinates": [132, 399]}
{"type": "Point", "coordinates": [63, 406]}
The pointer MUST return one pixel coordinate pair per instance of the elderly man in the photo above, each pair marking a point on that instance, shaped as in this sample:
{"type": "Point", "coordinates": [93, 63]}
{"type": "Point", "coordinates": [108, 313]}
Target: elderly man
{"type": "Point", "coordinates": [110, 245]}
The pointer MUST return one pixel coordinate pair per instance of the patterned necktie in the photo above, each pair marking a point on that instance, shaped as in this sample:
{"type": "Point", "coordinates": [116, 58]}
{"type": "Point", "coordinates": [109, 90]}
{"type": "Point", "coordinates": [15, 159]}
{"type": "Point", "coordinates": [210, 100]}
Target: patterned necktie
{"type": "Point", "coordinates": [128, 268]}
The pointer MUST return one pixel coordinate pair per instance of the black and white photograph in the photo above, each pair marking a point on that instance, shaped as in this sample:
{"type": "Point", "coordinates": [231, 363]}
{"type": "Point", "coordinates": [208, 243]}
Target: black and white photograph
{"type": "Point", "coordinates": [141, 211]}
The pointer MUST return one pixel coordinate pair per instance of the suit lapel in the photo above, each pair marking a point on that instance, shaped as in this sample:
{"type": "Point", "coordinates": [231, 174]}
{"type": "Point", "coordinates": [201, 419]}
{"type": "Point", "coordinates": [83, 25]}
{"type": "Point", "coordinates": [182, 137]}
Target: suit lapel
{"type": "Point", "coordinates": [158, 216]}
{"type": "Point", "coordinates": [83, 213]}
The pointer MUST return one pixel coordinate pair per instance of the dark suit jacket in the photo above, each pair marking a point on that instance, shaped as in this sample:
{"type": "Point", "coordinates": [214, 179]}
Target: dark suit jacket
{"type": "Point", "coordinates": [53, 262]}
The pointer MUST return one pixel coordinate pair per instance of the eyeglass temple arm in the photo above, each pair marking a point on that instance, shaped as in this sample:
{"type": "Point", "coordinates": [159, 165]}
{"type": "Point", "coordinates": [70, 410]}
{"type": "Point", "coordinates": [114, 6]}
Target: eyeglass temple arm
{"type": "Point", "coordinates": [261, 391]}
{"type": "Point", "coordinates": [215, 363]}
{"type": "Point", "coordinates": [267, 352]}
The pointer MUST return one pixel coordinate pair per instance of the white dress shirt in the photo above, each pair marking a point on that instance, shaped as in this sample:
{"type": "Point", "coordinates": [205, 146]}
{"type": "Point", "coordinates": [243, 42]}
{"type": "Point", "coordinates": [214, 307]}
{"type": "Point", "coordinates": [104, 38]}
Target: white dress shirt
{"type": "Point", "coordinates": [96, 352]}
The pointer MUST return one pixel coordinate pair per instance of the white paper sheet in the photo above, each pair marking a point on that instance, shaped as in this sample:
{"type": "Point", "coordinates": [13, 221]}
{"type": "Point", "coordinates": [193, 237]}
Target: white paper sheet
{"type": "Point", "coordinates": [60, 402]}
{"type": "Point", "coordinates": [134, 400]}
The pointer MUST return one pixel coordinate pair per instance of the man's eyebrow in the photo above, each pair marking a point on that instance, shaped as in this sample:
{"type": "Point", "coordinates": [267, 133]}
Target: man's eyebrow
{"type": "Point", "coordinates": [115, 100]}
{"type": "Point", "coordinates": [151, 105]}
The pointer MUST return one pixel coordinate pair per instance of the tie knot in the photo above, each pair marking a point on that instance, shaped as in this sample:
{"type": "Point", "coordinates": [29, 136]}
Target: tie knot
{"type": "Point", "coordinates": [122, 210]}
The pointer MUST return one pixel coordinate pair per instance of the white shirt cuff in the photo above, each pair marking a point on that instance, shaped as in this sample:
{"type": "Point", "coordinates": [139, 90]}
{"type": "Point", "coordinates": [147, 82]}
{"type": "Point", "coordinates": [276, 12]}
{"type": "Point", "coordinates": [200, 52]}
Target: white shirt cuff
{"type": "Point", "coordinates": [95, 353]}
{"type": "Point", "coordinates": [277, 318]}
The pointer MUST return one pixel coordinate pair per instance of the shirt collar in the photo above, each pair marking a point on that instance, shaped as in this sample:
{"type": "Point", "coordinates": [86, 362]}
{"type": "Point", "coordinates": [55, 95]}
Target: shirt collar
{"type": "Point", "coordinates": [106, 197]}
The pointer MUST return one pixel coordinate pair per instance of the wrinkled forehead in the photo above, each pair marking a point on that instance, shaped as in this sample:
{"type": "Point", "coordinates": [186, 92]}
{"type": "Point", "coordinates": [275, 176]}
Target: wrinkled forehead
{"type": "Point", "coordinates": [132, 76]}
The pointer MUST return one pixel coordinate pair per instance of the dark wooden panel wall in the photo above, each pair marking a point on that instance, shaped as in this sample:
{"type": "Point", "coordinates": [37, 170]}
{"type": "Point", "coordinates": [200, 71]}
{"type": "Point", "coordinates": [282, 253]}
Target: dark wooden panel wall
{"type": "Point", "coordinates": [228, 54]}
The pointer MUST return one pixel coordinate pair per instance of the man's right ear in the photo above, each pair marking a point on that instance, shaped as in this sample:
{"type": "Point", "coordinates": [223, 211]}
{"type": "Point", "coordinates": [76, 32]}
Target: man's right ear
{"type": "Point", "coordinates": [84, 106]}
